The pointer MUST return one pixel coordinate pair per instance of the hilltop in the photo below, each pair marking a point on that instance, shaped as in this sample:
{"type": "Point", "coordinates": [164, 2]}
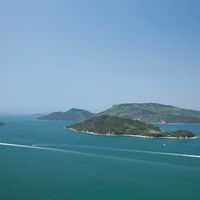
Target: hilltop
{"type": "Point", "coordinates": [154, 113]}
{"type": "Point", "coordinates": [72, 114]}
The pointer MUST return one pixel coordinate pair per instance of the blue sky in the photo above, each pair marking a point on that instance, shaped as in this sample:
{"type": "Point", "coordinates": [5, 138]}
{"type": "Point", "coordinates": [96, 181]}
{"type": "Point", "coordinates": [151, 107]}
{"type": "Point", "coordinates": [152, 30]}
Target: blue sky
{"type": "Point", "coordinates": [90, 54]}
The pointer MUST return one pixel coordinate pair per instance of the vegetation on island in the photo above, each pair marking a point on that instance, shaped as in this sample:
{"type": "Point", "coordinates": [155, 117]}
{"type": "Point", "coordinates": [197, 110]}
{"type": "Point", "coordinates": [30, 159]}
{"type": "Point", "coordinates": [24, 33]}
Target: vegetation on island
{"type": "Point", "coordinates": [182, 134]}
{"type": "Point", "coordinates": [72, 114]}
{"type": "Point", "coordinates": [106, 124]}
{"type": "Point", "coordinates": [154, 113]}
{"type": "Point", "coordinates": [111, 125]}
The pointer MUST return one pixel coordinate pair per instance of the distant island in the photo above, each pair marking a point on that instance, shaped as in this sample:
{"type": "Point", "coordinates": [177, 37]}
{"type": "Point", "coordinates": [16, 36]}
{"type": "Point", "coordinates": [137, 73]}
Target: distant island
{"type": "Point", "coordinates": [154, 113]}
{"type": "Point", "coordinates": [1, 123]}
{"type": "Point", "coordinates": [111, 126]}
{"type": "Point", "coordinates": [145, 112]}
{"type": "Point", "coordinates": [72, 114]}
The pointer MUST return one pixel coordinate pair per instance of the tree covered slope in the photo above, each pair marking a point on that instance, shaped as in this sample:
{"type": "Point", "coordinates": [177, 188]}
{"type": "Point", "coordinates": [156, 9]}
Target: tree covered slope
{"type": "Point", "coordinates": [106, 124]}
{"type": "Point", "coordinates": [111, 125]}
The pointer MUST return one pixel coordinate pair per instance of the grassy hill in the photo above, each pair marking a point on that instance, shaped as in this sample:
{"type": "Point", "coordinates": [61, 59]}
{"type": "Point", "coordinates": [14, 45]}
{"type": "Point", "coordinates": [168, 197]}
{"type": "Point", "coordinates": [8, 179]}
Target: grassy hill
{"type": "Point", "coordinates": [154, 113]}
{"type": "Point", "coordinates": [72, 114]}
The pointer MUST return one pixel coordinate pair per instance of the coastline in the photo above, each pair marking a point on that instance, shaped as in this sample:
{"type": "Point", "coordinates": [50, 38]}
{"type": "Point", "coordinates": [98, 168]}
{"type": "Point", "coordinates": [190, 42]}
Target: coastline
{"type": "Point", "coordinates": [138, 136]}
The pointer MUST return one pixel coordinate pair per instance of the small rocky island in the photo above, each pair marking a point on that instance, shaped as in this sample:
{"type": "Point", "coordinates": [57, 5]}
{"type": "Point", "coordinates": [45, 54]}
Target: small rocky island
{"type": "Point", "coordinates": [111, 126]}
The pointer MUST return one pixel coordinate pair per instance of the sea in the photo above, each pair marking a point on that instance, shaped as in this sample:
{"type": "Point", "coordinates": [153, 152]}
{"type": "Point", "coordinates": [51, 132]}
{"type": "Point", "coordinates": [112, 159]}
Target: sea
{"type": "Point", "coordinates": [40, 160]}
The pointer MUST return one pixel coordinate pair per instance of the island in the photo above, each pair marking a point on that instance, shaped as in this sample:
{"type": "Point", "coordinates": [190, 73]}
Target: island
{"type": "Point", "coordinates": [72, 114]}
{"type": "Point", "coordinates": [116, 126]}
{"type": "Point", "coordinates": [1, 123]}
{"type": "Point", "coordinates": [154, 113]}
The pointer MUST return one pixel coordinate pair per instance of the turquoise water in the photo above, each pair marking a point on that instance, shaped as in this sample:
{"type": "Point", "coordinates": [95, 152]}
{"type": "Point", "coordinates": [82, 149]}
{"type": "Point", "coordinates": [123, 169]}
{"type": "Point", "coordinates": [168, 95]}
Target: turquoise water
{"type": "Point", "coordinates": [94, 167]}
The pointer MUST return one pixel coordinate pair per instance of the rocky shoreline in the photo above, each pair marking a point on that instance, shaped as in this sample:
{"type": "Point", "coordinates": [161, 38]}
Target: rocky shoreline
{"type": "Point", "coordinates": [138, 136]}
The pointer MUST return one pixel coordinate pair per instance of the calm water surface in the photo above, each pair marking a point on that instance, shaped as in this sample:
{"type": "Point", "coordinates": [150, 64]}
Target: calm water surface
{"type": "Point", "coordinates": [94, 167]}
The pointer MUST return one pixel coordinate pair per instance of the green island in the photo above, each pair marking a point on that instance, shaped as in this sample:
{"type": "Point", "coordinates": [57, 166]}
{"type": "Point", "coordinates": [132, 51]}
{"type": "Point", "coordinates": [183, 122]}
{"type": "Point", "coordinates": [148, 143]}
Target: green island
{"type": "Point", "coordinates": [72, 114]}
{"type": "Point", "coordinates": [111, 126]}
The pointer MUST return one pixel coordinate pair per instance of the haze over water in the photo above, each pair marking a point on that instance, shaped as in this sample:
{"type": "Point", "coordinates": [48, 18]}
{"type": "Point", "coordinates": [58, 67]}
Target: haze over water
{"type": "Point", "coordinates": [61, 164]}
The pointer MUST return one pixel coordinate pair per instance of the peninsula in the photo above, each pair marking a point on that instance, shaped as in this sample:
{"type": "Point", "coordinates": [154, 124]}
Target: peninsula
{"type": "Point", "coordinates": [111, 126]}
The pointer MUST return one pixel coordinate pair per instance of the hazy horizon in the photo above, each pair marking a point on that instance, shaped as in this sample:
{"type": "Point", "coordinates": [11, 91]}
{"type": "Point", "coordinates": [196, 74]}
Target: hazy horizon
{"type": "Point", "coordinates": [93, 111]}
{"type": "Point", "coordinates": [56, 55]}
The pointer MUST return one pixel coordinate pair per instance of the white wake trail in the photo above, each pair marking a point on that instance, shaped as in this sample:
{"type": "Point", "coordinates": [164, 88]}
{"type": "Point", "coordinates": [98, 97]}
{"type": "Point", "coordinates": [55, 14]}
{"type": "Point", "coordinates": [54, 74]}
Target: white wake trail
{"type": "Point", "coordinates": [97, 155]}
{"type": "Point", "coordinates": [66, 151]}
{"type": "Point", "coordinates": [128, 150]}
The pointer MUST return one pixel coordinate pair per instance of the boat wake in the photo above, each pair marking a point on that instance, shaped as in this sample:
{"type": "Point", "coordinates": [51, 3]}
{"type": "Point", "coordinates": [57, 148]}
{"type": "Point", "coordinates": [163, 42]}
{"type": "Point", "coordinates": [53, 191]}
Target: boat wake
{"type": "Point", "coordinates": [125, 150]}
{"type": "Point", "coordinates": [94, 155]}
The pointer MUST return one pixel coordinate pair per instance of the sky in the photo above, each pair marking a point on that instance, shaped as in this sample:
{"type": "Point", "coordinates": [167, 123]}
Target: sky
{"type": "Point", "coordinates": [91, 54]}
